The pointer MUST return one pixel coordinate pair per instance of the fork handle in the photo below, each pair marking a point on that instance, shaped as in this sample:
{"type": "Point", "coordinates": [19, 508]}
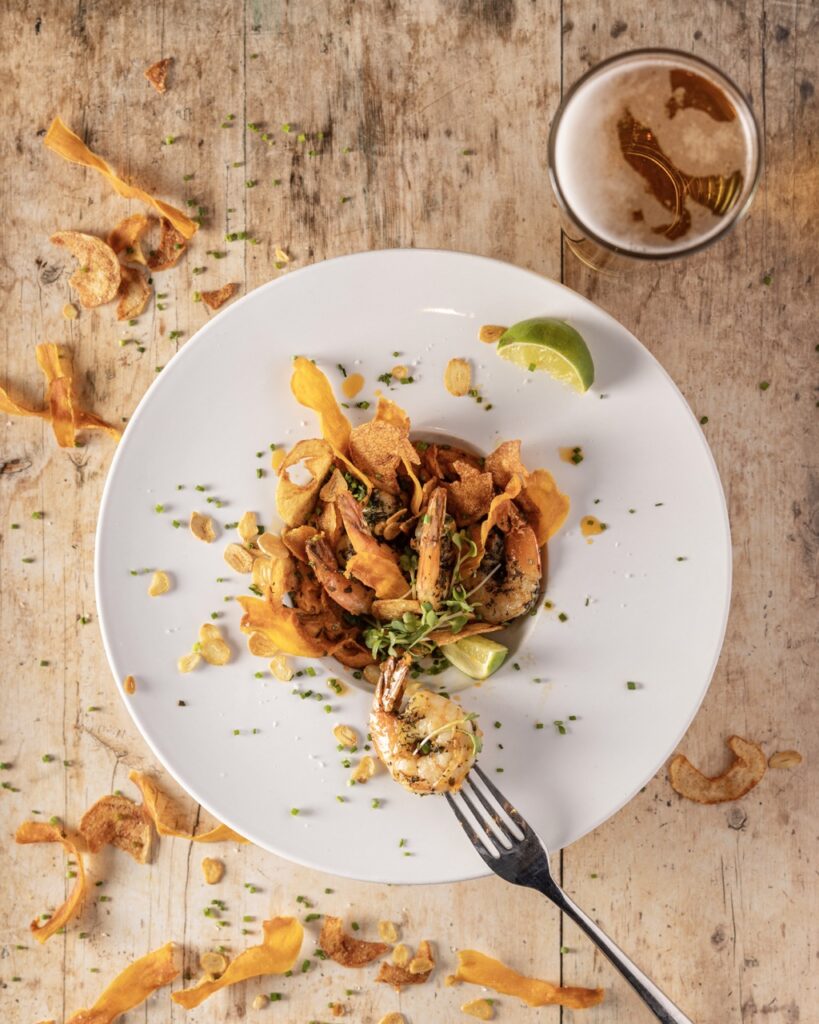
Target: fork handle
{"type": "Point", "coordinates": [654, 998]}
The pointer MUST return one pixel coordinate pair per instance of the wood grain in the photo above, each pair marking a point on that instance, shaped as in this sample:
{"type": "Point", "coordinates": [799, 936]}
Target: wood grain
{"type": "Point", "coordinates": [435, 116]}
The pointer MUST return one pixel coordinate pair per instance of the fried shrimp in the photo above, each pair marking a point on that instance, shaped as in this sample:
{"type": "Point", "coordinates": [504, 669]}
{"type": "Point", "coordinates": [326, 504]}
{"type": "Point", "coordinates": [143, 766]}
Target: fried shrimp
{"type": "Point", "coordinates": [429, 745]}
{"type": "Point", "coordinates": [353, 596]}
{"type": "Point", "coordinates": [512, 583]}
{"type": "Point", "coordinates": [434, 552]}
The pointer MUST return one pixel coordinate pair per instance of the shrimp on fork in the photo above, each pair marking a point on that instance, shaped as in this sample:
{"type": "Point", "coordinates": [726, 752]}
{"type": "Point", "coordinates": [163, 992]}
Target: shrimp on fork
{"type": "Point", "coordinates": [430, 744]}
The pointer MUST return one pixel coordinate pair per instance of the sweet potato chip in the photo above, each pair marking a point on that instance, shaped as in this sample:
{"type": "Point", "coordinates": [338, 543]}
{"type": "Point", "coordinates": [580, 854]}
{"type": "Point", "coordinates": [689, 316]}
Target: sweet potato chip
{"type": "Point", "coordinates": [747, 770]}
{"type": "Point", "coordinates": [312, 389]}
{"type": "Point", "coordinates": [377, 449]}
{"type": "Point", "coordinates": [295, 540]}
{"type": "Point", "coordinates": [545, 506]}
{"type": "Point", "coordinates": [498, 507]}
{"type": "Point", "coordinates": [125, 237]}
{"type": "Point", "coordinates": [167, 815]}
{"type": "Point", "coordinates": [394, 608]}
{"type": "Point", "coordinates": [117, 821]}
{"type": "Point", "coordinates": [479, 969]}
{"type": "Point", "coordinates": [276, 955]}
{"type": "Point", "coordinates": [469, 498]}
{"type": "Point", "coordinates": [379, 574]}
{"type": "Point", "coordinates": [132, 987]}
{"type": "Point", "coordinates": [62, 141]}
{"type": "Point", "coordinates": [172, 245]}
{"type": "Point", "coordinates": [458, 377]}
{"type": "Point", "coordinates": [346, 950]}
{"type": "Point", "coordinates": [134, 292]}
{"type": "Point", "coordinates": [389, 412]}
{"type": "Point", "coordinates": [399, 975]}
{"type": "Point", "coordinates": [219, 296]}
{"type": "Point", "coordinates": [157, 74]}
{"type": "Point", "coordinates": [96, 280]}
{"type": "Point", "coordinates": [442, 637]}
{"type": "Point", "coordinates": [43, 832]}
{"type": "Point", "coordinates": [296, 500]}
{"type": "Point", "coordinates": [281, 625]}
{"type": "Point", "coordinates": [504, 463]}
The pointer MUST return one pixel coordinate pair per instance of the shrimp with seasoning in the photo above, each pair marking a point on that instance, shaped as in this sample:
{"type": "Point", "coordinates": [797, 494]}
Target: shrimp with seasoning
{"type": "Point", "coordinates": [351, 595]}
{"type": "Point", "coordinates": [430, 744]}
{"type": "Point", "coordinates": [512, 584]}
{"type": "Point", "coordinates": [435, 555]}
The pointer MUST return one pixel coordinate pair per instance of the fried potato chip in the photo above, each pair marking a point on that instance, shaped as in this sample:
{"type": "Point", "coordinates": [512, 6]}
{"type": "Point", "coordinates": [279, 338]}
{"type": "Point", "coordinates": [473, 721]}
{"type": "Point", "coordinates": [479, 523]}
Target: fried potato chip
{"type": "Point", "coordinates": [379, 574]}
{"type": "Point", "coordinates": [281, 625]}
{"type": "Point", "coordinates": [160, 584]}
{"type": "Point", "coordinates": [469, 498]}
{"type": "Point", "coordinates": [213, 870]}
{"type": "Point", "coordinates": [479, 969]}
{"type": "Point", "coordinates": [201, 526]}
{"type": "Point", "coordinates": [490, 333]}
{"type": "Point", "coordinates": [62, 412]}
{"type": "Point", "coordinates": [295, 540]}
{"type": "Point", "coordinates": [377, 449]}
{"type": "Point", "coordinates": [239, 558]}
{"type": "Point", "coordinates": [43, 832]}
{"type": "Point", "coordinates": [312, 389]}
{"type": "Point", "coordinates": [218, 297]}
{"type": "Point", "coordinates": [157, 74]}
{"type": "Point", "coordinates": [62, 141]}
{"type": "Point", "coordinates": [172, 245]}
{"type": "Point", "coordinates": [126, 237]}
{"type": "Point", "coordinates": [400, 976]}
{"type": "Point", "coordinates": [545, 507]}
{"type": "Point", "coordinates": [747, 770]}
{"type": "Point", "coordinates": [166, 814]}
{"type": "Point", "coordinates": [212, 645]}
{"type": "Point", "coordinates": [276, 955]}
{"type": "Point", "coordinates": [296, 500]}
{"type": "Point", "coordinates": [96, 280]}
{"type": "Point", "coordinates": [346, 950]}
{"type": "Point", "coordinates": [504, 463]}
{"type": "Point", "coordinates": [117, 821]}
{"type": "Point", "coordinates": [388, 412]}
{"type": "Point", "coordinates": [458, 377]}
{"type": "Point", "coordinates": [131, 987]}
{"type": "Point", "coordinates": [394, 608]}
{"type": "Point", "coordinates": [134, 293]}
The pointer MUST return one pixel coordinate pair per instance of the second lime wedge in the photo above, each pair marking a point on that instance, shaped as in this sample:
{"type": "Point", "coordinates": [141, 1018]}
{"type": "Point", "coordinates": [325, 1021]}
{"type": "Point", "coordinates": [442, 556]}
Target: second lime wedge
{"type": "Point", "coordinates": [475, 656]}
{"type": "Point", "coordinates": [543, 343]}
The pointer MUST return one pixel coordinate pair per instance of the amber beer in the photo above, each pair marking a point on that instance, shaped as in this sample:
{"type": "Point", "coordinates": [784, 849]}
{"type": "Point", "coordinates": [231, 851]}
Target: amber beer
{"type": "Point", "coordinates": [653, 154]}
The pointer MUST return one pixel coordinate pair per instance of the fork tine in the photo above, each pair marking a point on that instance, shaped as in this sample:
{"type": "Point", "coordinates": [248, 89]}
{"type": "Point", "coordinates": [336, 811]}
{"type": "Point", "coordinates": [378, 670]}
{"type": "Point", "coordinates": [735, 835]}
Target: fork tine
{"type": "Point", "coordinates": [501, 825]}
{"type": "Point", "coordinates": [476, 840]}
{"type": "Point", "coordinates": [522, 824]}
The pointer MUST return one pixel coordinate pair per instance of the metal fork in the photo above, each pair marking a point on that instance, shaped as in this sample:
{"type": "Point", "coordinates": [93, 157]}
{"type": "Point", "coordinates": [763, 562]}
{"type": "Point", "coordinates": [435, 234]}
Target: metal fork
{"type": "Point", "coordinates": [512, 850]}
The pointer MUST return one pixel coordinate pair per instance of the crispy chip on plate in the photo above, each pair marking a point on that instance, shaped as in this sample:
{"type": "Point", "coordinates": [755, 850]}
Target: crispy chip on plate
{"type": "Point", "coordinates": [62, 141]}
{"type": "Point", "coordinates": [275, 955]}
{"type": "Point", "coordinates": [747, 770]}
{"type": "Point", "coordinates": [219, 296]}
{"type": "Point", "coordinates": [131, 987]}
{"type": "Point", "coordinates": [300, 479]}
{"type": "Point", "coordinates": [504, 463]}
{"type": "Point", "coordinates": [479, 969]}
{"type": "Point", "coordinates": [389, 412]}
{"type": "Point", "coordinates": [545, 506]}
{"type": "Point", "coordinates": [346, 950]}
{"type": "Point", "coordinates": [469, 498]}
{"type": "Point", "coordinates": [157, 73]}
{"type": "Point", "coordinates": [134, 292]}
{"type": "Point", "coordinates": [377, 449]}
{"type": "Point", "coordinates": [167, 815]}
{"type": "Point", "coordinates": [118, 821]}
{"type": "Point", "coordinates": [281, 625]}
{"type": "Point", "coordinates": [399, 975]}
{"type": "Point", "coordinates": [172, 245]}
{"type": "Point", "coordinates": [125, 237]}
{"type": "Point", "coordinates": [312, 389]}
{"type": "Point", "coordinates": [96, 279]}
{"type": "Point", "coordinates": [43, 832]}
{"type": "Point", "coordinates": [458, 377]}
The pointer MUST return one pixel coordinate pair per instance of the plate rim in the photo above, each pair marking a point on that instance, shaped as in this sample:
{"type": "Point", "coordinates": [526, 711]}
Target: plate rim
{"type": "Point", "coordinates": [389, 253]}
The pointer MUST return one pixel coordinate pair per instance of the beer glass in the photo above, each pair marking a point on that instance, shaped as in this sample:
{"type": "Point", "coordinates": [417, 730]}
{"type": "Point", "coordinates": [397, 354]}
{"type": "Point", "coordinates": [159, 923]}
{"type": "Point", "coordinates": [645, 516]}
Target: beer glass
{"type": "Point", "coordinates": [653, 154]}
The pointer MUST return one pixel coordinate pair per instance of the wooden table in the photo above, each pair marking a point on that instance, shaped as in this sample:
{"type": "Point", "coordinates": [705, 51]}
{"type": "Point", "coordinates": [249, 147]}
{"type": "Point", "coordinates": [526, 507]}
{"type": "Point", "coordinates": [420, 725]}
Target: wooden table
{"type": "Point", "coordinates": [435, 118]}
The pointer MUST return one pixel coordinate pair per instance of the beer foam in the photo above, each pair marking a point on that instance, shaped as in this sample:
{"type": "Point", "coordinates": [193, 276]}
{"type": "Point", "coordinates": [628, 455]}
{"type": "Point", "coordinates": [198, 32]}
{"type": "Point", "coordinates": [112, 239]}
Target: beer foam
{"type": "Point", "coordinates": [611, 198]}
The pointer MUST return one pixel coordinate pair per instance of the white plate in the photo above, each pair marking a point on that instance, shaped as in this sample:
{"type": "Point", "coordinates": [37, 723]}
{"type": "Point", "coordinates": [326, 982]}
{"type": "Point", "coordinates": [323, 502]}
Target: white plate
{"type": "Point", "coordinates": [635, 610]}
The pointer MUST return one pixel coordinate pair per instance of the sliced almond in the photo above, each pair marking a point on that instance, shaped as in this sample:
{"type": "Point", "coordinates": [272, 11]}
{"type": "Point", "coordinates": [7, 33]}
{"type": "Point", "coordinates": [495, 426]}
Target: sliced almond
{"type": "Point", "coordinates": [420, 965]}
{"type": "Point", "coordinates": [458, 377]}
{"type": "Point", "coordinates": [212, 645]}
{"type": "Point", "coordinates": [202, 527]}
{"type": "Point", "coordinates": [280, 255]}
{"type": "Point", "coordinates": [213, 964]}
{"type": "Point", "coordinates": [262, 572]}
{"type": "Point", "coordinates": [401, 955]}
{"type": "Point", "coordinates": [281, 669]}
{"type": "Point", "coordinates": [387, 931]}
{"type": "Point", "coordinates": [480, 1008]}
{"type": "Point", "coordinates": [160, 584]}
{"type": "Point", "coordinates": [129, 684]}
{"type": "Point", "coordinates": [271, 545]}
{"type": "Point", "coordinates": [247, 528]}
{"type": "Point", "coordinates": [260, 645]}
{"type": "Point", "coordinates": [372, 673]}
{"type": "Point", "coordinates": [213, 870]}
{"type": "Point", "coordinates": [188, 662]}
{"type": "Point", "coordinates": [490, 333]}
{"type": "Point", "coordinates": [346, 735]}
{"type": "Point", "coordinates": [239, 558]}
{"type": "Point", "coordinates": [364, 770]}
{"type": "Point", "coordinates": [785, 759]}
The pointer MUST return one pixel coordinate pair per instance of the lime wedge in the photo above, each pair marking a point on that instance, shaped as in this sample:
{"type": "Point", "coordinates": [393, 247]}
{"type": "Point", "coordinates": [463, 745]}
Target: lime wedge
{"type": "Point", "coordinates": [552, 345]}
{"type": "Point", "coordinates": [475, 656]}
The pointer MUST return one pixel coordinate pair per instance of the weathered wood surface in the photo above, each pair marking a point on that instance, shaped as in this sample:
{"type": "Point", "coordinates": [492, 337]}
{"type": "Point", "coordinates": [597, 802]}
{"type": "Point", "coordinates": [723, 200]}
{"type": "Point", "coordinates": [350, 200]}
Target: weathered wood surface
{"type": "Point", "coordinates": [718, 903]}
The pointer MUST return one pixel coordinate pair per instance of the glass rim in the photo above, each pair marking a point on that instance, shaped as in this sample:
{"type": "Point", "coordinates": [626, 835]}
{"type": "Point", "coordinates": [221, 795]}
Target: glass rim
{"type": "Point", "coordinates": [739, 211]}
